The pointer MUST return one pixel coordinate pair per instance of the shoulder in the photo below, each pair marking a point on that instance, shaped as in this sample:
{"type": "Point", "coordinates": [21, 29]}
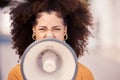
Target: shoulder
{"type": "Point", "coordinates": [84, 73]}
{"type": "Point", "coordinates": [15, 73]}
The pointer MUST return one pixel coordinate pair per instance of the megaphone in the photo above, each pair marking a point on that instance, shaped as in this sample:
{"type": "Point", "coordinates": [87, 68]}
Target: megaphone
{"type": "Point", "coordinates": [49, 59]}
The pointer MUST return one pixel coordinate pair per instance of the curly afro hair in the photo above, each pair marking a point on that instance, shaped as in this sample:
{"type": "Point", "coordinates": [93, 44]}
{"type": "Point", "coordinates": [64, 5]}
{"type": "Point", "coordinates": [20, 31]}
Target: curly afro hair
{"type": "Point", "coordinates": [75, 14]}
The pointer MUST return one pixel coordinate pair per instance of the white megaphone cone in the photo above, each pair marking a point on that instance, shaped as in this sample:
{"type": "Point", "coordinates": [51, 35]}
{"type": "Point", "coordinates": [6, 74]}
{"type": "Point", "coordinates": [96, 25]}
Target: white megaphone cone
{"type": "Point", "coordinates": [49, 59]}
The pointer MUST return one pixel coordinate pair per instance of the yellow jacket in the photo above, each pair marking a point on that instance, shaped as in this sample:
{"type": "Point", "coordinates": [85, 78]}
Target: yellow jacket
{"type": "Point", "coordinates": [82, 74]}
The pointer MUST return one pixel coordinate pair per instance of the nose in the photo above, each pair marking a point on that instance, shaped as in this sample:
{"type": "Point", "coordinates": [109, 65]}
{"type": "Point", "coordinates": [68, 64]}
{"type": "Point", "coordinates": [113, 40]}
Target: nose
{"type": "Point", "coordinates": [49, 35]}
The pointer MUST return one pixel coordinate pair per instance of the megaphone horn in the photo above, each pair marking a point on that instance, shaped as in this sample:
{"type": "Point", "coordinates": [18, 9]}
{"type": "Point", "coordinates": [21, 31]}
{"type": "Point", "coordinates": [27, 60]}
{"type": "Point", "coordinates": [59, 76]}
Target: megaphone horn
{"type": "Point", "coordinates": [49, 59]}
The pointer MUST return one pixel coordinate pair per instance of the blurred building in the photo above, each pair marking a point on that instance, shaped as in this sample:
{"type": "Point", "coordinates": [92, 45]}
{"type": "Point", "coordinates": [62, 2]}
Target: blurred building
{"type": "Point", "coordinates": [104, 49]}
{"type": "Point", "coordinates": [107, 27]}
{"type": "Point", "coordinates": [7, 55]}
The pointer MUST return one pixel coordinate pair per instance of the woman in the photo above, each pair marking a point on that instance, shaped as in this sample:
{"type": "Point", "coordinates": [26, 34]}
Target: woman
{"type": "Point", "coordinates": [65, 20]}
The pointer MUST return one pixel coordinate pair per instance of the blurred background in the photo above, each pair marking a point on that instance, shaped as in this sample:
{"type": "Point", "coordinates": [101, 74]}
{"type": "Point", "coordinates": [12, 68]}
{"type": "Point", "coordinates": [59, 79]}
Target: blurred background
{"type": "Point", "coordinates": [103, 56]}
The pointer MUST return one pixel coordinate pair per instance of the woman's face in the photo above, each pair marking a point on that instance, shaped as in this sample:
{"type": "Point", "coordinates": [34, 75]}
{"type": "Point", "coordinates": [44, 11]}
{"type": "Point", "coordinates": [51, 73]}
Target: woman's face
{"type": "Point", "coordinates": [49, 25]}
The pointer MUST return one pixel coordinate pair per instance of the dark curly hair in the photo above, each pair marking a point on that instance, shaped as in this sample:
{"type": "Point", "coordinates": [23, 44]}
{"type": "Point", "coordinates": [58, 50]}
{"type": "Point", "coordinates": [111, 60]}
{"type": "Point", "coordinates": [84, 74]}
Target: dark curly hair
{"type": "Point", "coordinates": [75, 14]}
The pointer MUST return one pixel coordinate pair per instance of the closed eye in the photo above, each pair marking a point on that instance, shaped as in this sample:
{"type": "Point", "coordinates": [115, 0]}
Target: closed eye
{"type": "Point", "coordinates": [41, 29]}
{"type": "Point", "coordinates": [57, 29]}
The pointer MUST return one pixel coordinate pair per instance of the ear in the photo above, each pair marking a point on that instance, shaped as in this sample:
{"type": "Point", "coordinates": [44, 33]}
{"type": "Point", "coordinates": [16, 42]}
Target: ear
{"type": "Point", "coordinates": [33, 29]}
{"type": "Point", "coordinates": [65, 30]}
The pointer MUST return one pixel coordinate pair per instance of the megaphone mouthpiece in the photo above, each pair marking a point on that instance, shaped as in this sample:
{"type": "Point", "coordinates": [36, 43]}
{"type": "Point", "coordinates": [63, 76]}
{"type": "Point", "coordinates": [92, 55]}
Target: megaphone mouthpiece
{"type": "Point", "coordinates": [49, 61]}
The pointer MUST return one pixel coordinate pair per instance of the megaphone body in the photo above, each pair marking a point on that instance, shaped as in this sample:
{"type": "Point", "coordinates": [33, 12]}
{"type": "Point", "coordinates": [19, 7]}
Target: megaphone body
{"type": "Point", "coordinates": [49, 59]}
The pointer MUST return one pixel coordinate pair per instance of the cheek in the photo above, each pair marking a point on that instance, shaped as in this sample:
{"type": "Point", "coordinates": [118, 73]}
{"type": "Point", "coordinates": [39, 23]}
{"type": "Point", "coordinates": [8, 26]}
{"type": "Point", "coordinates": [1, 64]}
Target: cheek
{"type": "Point", "coordinates": [39, 36]}
{"type": "Point", "coordinates": [60, 36]}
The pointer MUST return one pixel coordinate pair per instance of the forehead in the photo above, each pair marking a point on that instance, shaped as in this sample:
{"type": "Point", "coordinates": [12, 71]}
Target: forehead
{"type": "Point", "coordinates": [49, 18]}
{"type": "Point", "coordinates": [51, 13]}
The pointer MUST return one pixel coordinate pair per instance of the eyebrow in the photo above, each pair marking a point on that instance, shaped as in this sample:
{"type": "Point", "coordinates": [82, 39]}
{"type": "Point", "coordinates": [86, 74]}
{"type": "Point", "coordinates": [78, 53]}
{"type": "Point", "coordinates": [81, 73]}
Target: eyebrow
{"type": "Point", "coordinates": [56, 26]}
{"type": "Point", "coordinates": [52, 27]}
{"type": "Point", "coordinates": [43, 26]}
